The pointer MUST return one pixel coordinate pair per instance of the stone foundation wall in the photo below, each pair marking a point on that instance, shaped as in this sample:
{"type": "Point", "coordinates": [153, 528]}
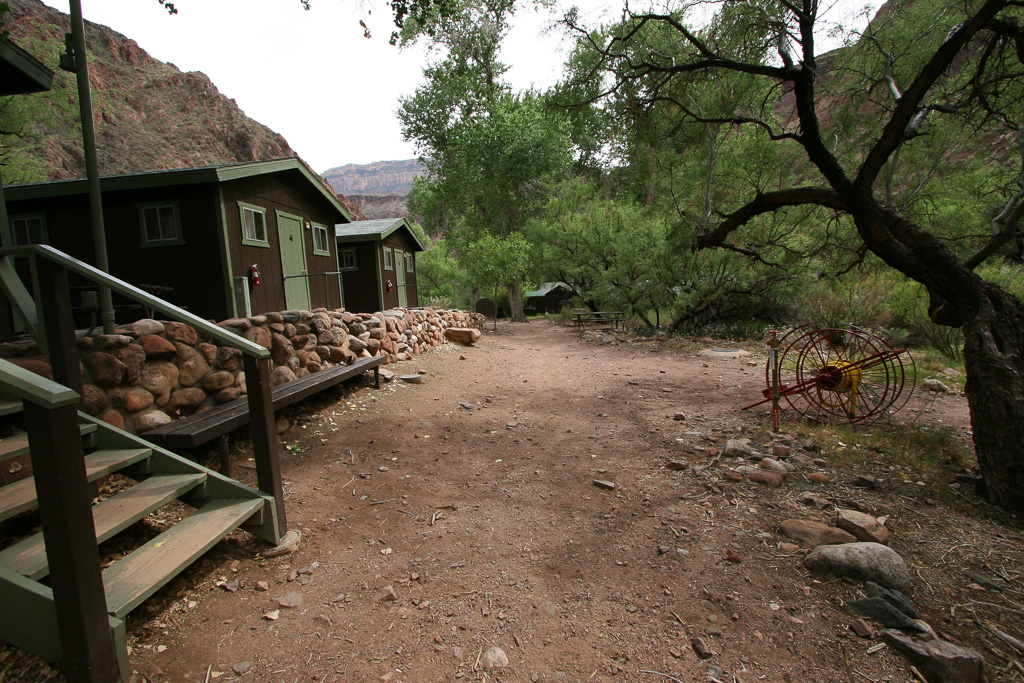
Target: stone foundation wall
{"type": "Point", "coordinates": [151, 372]}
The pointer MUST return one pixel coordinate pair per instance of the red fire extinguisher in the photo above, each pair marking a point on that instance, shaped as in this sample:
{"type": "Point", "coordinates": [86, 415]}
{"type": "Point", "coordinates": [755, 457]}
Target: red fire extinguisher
{"type": "Point", "coordinates": [390, 286]}
{"type": "Point", "coordinates": [254, 275]}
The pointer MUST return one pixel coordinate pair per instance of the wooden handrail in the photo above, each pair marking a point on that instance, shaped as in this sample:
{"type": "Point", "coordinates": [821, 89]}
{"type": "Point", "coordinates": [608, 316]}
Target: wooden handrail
{"type": "Point", "coordinates": [219, 334]}
{"type": "Point", "coordinates": [29, 386]}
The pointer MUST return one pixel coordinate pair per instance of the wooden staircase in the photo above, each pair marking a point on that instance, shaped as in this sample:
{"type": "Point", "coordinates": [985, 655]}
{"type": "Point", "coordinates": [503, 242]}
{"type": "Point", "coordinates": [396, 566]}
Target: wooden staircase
{"type": "Point", "coordinates": [219, 504]}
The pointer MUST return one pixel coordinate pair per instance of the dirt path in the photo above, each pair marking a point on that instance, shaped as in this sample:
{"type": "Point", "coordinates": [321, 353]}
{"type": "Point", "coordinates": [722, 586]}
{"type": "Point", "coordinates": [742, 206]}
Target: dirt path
{"type": "Point", "coordinates": [471, 495]}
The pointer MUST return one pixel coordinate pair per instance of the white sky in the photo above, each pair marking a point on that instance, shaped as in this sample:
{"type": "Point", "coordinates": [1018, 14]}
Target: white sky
{"type": "Point", "coordinates": [311, 76]}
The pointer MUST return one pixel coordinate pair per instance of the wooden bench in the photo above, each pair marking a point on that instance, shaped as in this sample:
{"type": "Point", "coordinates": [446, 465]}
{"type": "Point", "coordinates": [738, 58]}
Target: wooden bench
{"type": "Point", "coordinates": [581, 318]}
{"type": "Point", "coordinates": [207, 425]}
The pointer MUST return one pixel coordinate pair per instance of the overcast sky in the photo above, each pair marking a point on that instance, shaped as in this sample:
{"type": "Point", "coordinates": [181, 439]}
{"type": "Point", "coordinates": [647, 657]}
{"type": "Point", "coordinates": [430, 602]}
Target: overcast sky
{"type": "Point", "coordinates": [312, 76]}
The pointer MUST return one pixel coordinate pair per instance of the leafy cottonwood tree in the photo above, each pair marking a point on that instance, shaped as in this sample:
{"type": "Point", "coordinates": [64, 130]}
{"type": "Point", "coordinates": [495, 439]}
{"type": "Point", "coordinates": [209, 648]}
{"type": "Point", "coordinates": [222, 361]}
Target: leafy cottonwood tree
{"type": "Point", "coordinates": [493, 261]}
{"type": "Point", "coordinates": [486, 149]}
{"type": "Point", "coordinates": [922, 62]}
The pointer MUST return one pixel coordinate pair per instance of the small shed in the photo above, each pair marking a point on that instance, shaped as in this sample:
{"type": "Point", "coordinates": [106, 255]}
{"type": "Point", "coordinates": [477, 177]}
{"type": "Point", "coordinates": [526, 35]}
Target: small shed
{"type": "Point", "coordinates": [220, 241]}
{"type": "Point", "coordinates": [377, 260]}
{"type": "Point", "coordinates": [550, 297]}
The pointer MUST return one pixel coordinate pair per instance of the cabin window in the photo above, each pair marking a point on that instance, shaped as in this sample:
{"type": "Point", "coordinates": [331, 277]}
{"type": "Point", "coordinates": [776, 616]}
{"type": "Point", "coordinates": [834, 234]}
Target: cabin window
{"type": "Point", "coordinates": [28, 230]}
{"type": "Point", "coordinates": [160, 225]}
{"type": "Point", "coordinates": [408, 262]}
{"type": "Point", "coordinates": [347, 259]}
{"type": "Point", "coordinates": [321, 245]}
{"type": "Point", "coordinates": [254, 225]}
{"type": "Point", "coordinates": [389, 263]}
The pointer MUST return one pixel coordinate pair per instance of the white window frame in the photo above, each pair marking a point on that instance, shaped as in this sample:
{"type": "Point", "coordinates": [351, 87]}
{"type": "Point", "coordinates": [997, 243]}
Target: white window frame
{"type": "Point", "coordinates": [43, 234]}
{"type": "Point", "coordinates": [408, 262]}
{"type": "Point", "coordinates": [389, 259]}
{"type": "Point", "coordinates": [325, 248]}
{"type": "Point", "coordinates": [176, 222]}
{"type": "Point", "coordinates": [347, 255]}
{"type": "Point", "coordinates": [255, 240]}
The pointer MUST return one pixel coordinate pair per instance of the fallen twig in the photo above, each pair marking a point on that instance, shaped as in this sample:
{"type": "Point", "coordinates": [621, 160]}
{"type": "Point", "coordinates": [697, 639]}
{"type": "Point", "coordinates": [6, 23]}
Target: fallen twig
{"type": "Point", "coordinates": [846, 663]}
{"type": "Point", "coordinates": [381, 502]}
{"type": "Point", "coordinates": [668, 676]}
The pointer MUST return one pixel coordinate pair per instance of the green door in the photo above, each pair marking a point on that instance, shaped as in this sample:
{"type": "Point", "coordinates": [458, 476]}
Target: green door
{"type": "Point", "coordinates": [293, 261]}
{"type": "Point", "coordinates": [403, 301]}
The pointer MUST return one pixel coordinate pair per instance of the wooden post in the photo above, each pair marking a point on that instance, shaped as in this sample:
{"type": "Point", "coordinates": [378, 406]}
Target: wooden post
{"type": "Point", "coordinates": [58, 324]}
{"type": "Point", "coordinates": [264, 435]}
{"type": "Point", "coordinates": [62, 489]}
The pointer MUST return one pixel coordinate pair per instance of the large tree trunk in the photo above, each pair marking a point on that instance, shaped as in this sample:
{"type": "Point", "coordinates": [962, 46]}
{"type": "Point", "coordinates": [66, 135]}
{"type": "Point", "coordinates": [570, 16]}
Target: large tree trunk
{"type": "Point", "coordinates": [515, 302]}
{"type": "Point", "coordinates": [994, 357]}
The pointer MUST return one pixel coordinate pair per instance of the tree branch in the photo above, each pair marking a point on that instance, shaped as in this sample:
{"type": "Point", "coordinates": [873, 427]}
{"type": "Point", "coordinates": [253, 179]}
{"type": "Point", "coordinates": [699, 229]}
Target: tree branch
{"type": "Point", "coordinates": [909, 103]}
{"type": "Point", "coordinates": [768, 203]}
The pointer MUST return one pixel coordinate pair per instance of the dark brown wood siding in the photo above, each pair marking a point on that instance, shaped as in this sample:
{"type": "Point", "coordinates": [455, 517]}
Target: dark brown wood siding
{"type": "Point", "coordinates": [290, 193]}
{"type": "Point", "coordinates": [362, 285]}
{"type": "Point", "coordinates": [191, 270]}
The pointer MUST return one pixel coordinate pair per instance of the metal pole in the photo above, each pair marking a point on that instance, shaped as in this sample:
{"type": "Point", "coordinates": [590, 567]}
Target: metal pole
{"type": "Point", "coordinates": [773, 359]}
{"type": "Point", "coordinates": [92, 167]}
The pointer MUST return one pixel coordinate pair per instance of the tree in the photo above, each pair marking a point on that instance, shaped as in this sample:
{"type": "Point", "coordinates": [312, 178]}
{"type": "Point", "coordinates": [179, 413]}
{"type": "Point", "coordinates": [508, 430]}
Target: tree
{"type": "Point", "coordinates": [487, 150]}
{"type": "Point", "coordinates": [923, 65]}
{"type": "Point", "coordinates": [493, 262]}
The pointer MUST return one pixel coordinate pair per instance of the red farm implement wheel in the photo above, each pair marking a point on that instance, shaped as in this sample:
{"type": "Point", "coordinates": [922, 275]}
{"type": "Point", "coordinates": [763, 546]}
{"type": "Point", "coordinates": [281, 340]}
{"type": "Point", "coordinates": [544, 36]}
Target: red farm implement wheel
{"type": "Point", "coordinates": [839, 374]}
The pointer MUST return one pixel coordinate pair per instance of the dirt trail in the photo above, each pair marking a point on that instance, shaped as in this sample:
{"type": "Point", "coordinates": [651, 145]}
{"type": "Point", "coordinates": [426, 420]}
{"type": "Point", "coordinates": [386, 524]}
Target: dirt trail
{"type": "Point", "coordinates": [471, 495]}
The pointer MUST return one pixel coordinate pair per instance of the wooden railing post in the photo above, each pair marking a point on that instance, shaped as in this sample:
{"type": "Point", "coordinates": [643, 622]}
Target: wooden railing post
{"type": "Point", "coordinates": [264, 434]}
{"type": "Point", "coordinates": [58, 325]}
{"type": "Point", "coordinates": [62, 490]}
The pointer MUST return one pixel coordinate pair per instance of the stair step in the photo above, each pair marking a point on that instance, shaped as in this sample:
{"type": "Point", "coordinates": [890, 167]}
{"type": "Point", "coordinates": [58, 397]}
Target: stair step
{"type": "Point", "coordinates": [21, 495]}
{"type": "Point", "coordinates": [16, 445]}
{"type": "Point", "coordinates": [138, 575]}
{"type": "Point", "coordinates": [112, 516]}
{"type": "Point", "coordinates": [10, 407]}
{"type": "Point", "coordinates": [13, 446]}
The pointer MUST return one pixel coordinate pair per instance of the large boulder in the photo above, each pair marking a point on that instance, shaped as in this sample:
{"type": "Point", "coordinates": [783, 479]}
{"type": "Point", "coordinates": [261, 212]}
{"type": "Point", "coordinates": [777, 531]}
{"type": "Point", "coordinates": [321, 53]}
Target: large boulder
{"type": "Point", "coordinates": [106, 370]}
{"type": "Point", "coordinates": [864, 561]}
{"type": "Point", "coordinates": [281, 350]}
{"type": "Point", "coordinates": [157, 348]}
{"type": "Point", "coordinates": [281, 375]}
{"type": "Point", "coordinates": [261, 336]}
{"type": "Point", "coordinates": [460, 335]}
{"type": "Point", "coordinates": [865, 527]}
{"type": "Point", "coordinates": [185, 399]}
{"type": "Point", "coordinates": [192, 366]}
{"type": "Point", "coordinates": [134, 359]}
{"type": "Point", "coordinates": [151, 420]}
{"type": "Point", "coordinates": [159, 379]}
{"type": "Point", "coordinates": [180, 332]}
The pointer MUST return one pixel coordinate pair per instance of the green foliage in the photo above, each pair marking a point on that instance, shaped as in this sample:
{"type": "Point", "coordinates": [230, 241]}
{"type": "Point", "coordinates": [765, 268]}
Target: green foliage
{"type": "Point", "coordinates": [913, 454]}
{"type": "Point", "coordinates": [26, 119]}
{"type": "Point", "coordinates": [493, 261]}
{"type": "Point", "coordinates": [440, 276]}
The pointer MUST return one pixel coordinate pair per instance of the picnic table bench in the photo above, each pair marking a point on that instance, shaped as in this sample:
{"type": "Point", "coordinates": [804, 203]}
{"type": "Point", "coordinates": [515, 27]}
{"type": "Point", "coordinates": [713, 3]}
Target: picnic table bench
{"type": "Point", "coordinates": [207, 425]}
{"type": "Point", "coordinates": [581, 318]}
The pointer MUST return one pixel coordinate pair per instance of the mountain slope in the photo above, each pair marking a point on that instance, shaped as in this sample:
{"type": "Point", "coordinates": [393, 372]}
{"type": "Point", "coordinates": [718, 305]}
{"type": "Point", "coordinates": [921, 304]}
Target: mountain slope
{"type": "Point", "coordinates": [149, 115]}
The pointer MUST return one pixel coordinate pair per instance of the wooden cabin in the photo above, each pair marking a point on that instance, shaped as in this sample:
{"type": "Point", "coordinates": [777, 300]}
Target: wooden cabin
{"type": "Point", "coordinates": [377, 260]}
{"type": "Point", "coordinates": [219, 241]}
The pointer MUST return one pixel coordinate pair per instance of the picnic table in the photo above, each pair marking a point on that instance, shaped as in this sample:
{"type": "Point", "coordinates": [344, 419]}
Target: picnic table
{"type": "Point", "coordinates": [580, 318]}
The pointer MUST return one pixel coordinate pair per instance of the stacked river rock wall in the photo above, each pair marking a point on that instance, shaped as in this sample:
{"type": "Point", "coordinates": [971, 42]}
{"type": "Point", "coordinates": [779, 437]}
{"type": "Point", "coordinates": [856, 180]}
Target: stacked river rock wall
{"type": "Point", "coordinates": [151, 372]}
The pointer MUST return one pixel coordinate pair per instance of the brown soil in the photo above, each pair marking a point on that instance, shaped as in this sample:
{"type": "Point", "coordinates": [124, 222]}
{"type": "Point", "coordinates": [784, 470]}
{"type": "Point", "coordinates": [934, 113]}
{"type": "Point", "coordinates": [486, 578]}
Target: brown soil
{"type": "Point", "coordinates": [488, 527]}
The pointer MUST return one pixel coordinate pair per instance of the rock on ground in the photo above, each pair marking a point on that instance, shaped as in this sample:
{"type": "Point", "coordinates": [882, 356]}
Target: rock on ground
{"type": "Point", "coordinates": [865, 527]}
{"type": "Point", "coordinates": [462, 335]}
{"type": "Point", "coordinates": [813, 534]}
{"type": "Point", "coordinates": [939, 660]}
{"type": "Point", "coordinates": [864, 561]}
{"type": "Point", "coordinates": [494, 658]}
